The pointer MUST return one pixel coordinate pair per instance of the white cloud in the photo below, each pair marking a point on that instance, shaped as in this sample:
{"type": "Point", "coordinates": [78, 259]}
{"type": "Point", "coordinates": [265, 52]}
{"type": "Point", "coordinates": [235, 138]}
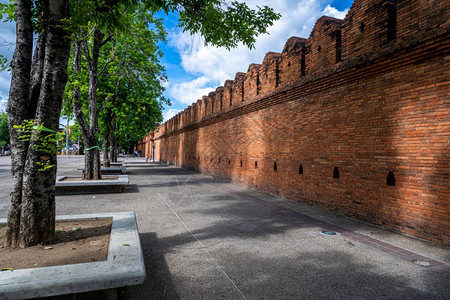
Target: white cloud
{"type": "Point", "coordinates": [213, 65]}
{"type": "Point", "coordinates": [333, 12]}
{"type": "Point", "coordinates": [168, 114]}
{"type": "Point", "coordinates": [189, 91]}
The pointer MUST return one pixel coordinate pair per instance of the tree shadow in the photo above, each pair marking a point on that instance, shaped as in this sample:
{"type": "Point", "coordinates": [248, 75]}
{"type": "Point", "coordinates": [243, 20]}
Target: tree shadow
{"type": "Point", "coordinates": [158, 283]}
{"type": "Point", "coordinates": [240, 219]}
{"type": "Point", "coordinates": [327, 274]}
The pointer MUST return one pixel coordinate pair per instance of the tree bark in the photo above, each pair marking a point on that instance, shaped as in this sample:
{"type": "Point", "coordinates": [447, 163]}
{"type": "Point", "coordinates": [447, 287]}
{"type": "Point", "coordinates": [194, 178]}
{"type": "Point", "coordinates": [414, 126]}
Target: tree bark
{"type": "Point", "coordinates": [106, 140]}
{"type": "Point", "coordinates": [17, 113]}
{"type": "Point", "coordinates": [90, 140]}
{"type": "Point", "coordinates": [113, 140]}
{"type": "Point", "coordinates": [31, 219]}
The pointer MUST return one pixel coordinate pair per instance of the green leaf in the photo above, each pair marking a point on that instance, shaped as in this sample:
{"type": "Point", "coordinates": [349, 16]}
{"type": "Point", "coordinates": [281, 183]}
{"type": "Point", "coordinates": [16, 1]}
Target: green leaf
{"type": "Point", "coordinates": [76, 228]}
{"type": "Point", "coordinates": [6, 269]}
{"type": "Point", "coordinates": [126, 245]}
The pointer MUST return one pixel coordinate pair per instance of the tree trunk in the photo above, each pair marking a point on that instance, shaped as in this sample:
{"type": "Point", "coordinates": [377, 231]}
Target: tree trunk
{"type": "Point", "coordinates": [17, 113]}
{"type": "Point", "coordinates": [106, 161]}
{"type": "Point", "coordinates": [113, 140]}
{"type": "Point", "coordinates": [92, 168]}
{"type": "Point", "coordinates": [31, 218]}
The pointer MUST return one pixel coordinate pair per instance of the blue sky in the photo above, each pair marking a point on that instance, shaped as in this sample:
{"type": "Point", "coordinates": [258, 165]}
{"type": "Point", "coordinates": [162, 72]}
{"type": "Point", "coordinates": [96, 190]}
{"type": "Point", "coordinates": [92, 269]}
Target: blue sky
{"type": "Point", "coordinates": [193, 69]}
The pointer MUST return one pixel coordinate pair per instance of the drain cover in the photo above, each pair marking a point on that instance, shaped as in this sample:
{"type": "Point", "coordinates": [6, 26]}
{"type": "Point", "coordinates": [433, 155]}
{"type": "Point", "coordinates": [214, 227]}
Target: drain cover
{"type": "Point", "coordinates": [328, 232]}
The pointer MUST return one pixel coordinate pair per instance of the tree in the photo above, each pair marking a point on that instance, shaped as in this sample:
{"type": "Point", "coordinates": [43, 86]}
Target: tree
{"type": "Point", "coordinates": [4, 131]}
{"type": "Point", "coordinates": [137, 104]}
{"type": "Point", "coordinates": [37, 86]}
{"type": "Point", "coordinates": [38, 82]}
{"type": "Point", "coordinates": [126, 59]}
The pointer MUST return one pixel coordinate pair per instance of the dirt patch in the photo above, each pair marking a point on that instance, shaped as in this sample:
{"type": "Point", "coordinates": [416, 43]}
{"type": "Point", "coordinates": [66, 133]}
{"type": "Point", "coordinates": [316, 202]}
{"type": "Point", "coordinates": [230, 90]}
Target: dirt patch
{"type": "Point", "coordinates": [75, 242]}
{"type": "Point", "coordinates": [81, 178]}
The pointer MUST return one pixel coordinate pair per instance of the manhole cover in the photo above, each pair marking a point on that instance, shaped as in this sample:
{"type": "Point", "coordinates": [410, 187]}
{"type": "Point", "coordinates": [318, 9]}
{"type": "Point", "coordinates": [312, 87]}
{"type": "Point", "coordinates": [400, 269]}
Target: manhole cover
{"type": "Point", "coordinates": [328, 232]}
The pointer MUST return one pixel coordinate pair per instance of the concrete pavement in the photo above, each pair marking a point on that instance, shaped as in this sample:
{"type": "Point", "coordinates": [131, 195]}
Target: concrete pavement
{"type": "Point", "coordinates": [207, 239]}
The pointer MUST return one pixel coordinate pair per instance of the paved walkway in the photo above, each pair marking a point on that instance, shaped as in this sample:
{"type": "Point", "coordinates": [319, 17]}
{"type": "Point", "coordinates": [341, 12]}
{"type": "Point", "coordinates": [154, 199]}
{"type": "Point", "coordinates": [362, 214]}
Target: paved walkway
{"type": "Point", "coordinates": [208, 239]}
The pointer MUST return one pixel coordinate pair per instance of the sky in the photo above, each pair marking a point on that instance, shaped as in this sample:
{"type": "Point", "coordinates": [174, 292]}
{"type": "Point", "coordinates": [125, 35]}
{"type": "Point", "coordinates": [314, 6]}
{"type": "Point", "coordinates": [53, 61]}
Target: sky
{"type": "Point", "coordinates": [193, 69]}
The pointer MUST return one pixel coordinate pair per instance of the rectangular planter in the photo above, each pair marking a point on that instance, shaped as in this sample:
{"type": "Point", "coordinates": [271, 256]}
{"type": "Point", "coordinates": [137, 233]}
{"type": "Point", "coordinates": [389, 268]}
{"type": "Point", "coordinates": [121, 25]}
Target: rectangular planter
{"type": "Point", "coordinates": [79, 187]}
{"type": "Point", "coordinates": [124, 267]}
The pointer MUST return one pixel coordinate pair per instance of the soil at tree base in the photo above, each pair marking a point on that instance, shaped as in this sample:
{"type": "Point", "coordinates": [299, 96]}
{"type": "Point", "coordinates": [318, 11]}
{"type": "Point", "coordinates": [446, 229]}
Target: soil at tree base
{"type": "Point", "coordinates": [75, 242]}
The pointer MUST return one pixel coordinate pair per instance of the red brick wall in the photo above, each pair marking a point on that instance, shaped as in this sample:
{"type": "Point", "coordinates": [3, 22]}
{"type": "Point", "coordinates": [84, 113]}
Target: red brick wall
{"type": "Point", "coordinates": [384, 108]}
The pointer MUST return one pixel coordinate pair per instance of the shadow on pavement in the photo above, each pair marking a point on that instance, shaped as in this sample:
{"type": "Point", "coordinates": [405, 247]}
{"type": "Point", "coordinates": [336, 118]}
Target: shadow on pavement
{"type": "Point", "coordinates": [159, 283]}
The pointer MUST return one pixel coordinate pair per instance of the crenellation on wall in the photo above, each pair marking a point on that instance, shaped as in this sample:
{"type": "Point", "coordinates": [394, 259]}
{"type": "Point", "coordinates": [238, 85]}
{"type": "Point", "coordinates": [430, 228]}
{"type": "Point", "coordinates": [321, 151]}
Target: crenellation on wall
{"type": "Point", "coordinates": [419, 19]}
{"type": "Point", "coordinates": [211, 103]}
{"type": "Point", "coordinates": [218, 99]}
{"type": "Point", "coordinates": [227, 98]}
{"type": "Point", "coordinates": [251, 83]}
{"type": "Point", "coordinates": [189, 114]}
{"type": "Point", "coordinates": [194, 112]}
{"type": "Point", "coordinates": [184, 118]}
{"type": "Point", "coordinates": [269, 73]}
{"type": "Point", "coordinates": [292, 63]}
{"type": "Point", "coordinates": [206, 107]}
{"type": "Point", "coordinates": [199, 110]}
{"type": "Point", "coordinates": [365, 136]}
{"type": "Point", "coordinates": [323, 47]}
{"type": "Point", "coordinates": [177, 121]}
{"type": "Point", "coordinates": [238, 90]}
{"type": "Point", "coordinates": [369, 26]}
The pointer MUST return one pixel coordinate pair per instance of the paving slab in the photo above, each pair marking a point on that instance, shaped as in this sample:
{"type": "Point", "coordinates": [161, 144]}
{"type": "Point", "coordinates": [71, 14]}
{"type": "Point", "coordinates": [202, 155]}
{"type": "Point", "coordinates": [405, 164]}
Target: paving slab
{"type": "Point", "coordinates": [203, 238]}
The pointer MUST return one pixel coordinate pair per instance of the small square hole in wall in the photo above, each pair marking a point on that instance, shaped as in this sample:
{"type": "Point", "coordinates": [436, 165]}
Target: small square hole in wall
{"type": "Point", "coordinates": [229, 161]}
{"type": "Point", "coordinates": [390, 179]}
{"type": "Point", "coordinates": [275, 166]}
{"type": "Point", "coordinates": [256, 164]}
{"type": "Point", "coordinates": [300, 169]}
{"type": "Point", "coordinates": [241, 163]}
{"type": "Point", "coordinates": [336, 173]}
{"type": "Point", "coordinates": [362, 26]}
